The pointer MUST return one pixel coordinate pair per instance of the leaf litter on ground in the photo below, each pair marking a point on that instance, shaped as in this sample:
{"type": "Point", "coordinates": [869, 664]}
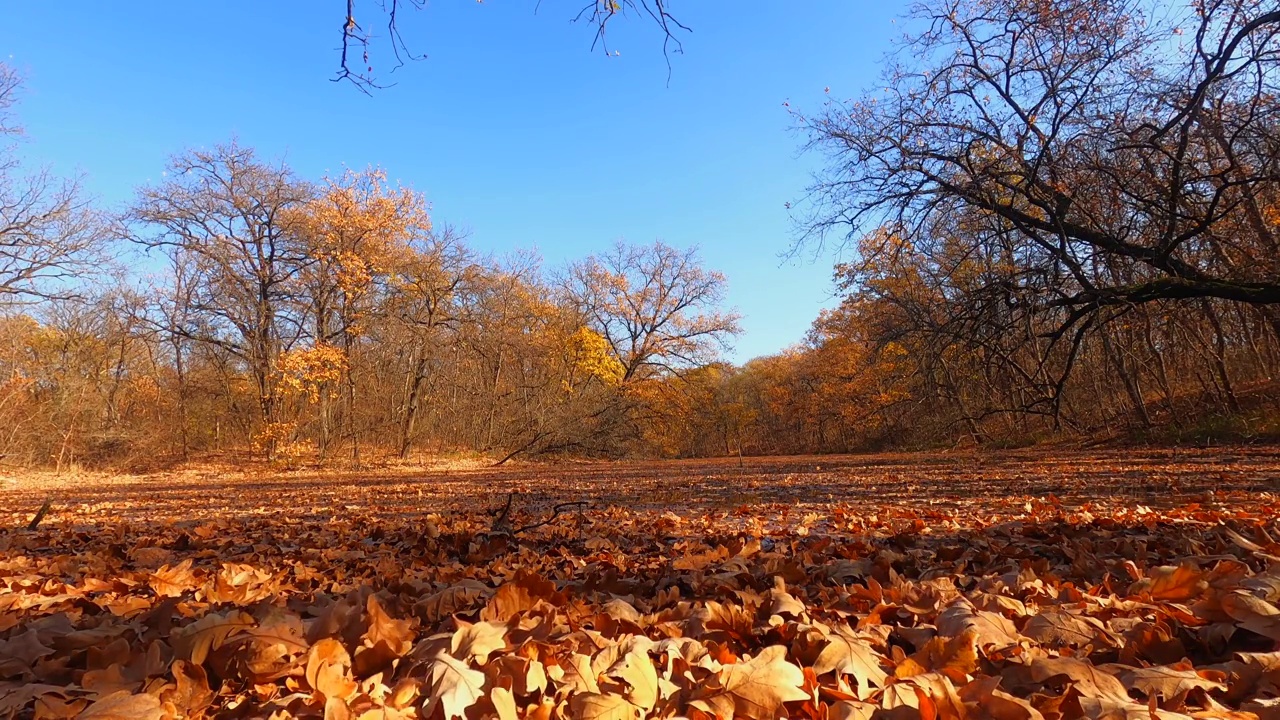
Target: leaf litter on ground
{"type": "Point", "coordinates": [1013, 588]}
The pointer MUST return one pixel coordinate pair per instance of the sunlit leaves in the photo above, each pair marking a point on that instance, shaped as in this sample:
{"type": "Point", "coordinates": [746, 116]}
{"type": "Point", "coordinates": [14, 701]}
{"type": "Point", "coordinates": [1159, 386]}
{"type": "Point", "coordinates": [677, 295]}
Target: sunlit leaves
{"type": "Point", "coordinates": [359, 228]}
{"type": "Point", "coordinates": [1002, 605]}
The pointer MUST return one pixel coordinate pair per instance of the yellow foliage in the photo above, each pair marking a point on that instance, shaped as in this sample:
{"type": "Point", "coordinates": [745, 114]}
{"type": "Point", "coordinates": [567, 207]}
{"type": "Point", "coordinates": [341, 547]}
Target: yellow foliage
{"type": "Point", "coordinates": [272, 434]}
{"type": "Point", "coordinates": [146, 392]}
{"type": "Point", "coordinates": [310, 371]}
{"type": "Point", "coordinates": [17, 382]}
{"type": "Point", "coordinates": [1271, 214]}
{"type": "Point", "coordinates": [591, 357]}
{"type": "Point", "coordinates": [36, 340]}
{"type": "Point", "coordinates": [277, 439]}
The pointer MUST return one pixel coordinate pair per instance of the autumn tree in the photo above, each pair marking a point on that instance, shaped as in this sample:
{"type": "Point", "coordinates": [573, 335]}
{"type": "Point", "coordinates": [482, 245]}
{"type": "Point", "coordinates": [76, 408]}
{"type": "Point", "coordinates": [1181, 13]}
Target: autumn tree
{"type": "Point", "coordinates": [547, 384]}
{"type": "Point", "coordinates": [1055, 165]}
{"type": "Point", "coordinates": [427, 305]}
{"type": "Point", "coordinates": [174, 322]}
{"type": "Point", "coordinates": [658, 310]}
{"type": "Point", "coordinates": [223, 214]}
{"type": "Point", "coordinates": [1110, 154]}
{"type": "Point", "coordinates": [656, 306]}
{"type": "Point", "coordinates": [357, 232]}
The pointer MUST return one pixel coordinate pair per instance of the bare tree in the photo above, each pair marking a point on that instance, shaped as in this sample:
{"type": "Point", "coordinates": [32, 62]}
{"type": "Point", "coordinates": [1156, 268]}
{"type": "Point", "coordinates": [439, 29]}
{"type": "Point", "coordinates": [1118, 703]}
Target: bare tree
{"type": "Point", "coordinates": [657, 307]}
{"type": "Point", "coordinates": [51, 237]}
{"type": "Point", "coordinates": [1075, 128]}
{"type": "Point", "coordinates": [355, 64]}
{"type": "Point", "coordinates": [221, 215]}
{"type": "Point", "coordinates": [426, 301]}
{"type": "Point", "coordinates": [1051, 165]}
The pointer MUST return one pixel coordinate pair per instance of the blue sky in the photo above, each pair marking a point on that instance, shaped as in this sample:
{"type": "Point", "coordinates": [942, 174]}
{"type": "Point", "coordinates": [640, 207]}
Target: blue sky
{"type": "Point", "coordinates": [512, 127]}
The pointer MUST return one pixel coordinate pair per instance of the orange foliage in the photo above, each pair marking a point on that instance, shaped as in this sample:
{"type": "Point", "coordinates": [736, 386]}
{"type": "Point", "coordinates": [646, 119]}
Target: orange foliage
{"type": "Point", "coordinates": [362, 225]}
{"type": "Point", "coordinates": [311, 371]}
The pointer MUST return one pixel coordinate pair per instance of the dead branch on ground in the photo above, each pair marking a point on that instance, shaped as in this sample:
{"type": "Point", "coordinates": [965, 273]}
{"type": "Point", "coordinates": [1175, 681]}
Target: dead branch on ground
{"type": "Point", "coordinates": [44, 510]}
{"type": "Point", "coordinates": [502, 518]}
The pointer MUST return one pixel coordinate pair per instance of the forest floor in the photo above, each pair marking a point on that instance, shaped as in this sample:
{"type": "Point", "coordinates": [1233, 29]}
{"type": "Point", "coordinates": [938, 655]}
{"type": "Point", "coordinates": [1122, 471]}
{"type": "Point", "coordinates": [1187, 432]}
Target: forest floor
{"type": "Point", "coordinates": [1033, 584]}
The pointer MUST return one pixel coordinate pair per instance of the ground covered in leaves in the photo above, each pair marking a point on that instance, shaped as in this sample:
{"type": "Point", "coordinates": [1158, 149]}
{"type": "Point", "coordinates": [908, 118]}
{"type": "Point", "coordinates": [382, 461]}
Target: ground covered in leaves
{"type": "Point", "coordinates": [949, 586]}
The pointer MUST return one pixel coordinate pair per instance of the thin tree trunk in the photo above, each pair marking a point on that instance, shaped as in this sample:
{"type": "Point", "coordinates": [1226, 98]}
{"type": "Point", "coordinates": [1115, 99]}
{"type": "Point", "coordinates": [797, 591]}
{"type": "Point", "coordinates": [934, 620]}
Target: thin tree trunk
{"type": "Point", "coordinates": [179, 367]}
{"type": "Point", "coordinates": [1128, 380]}
{"type": "Point", "coordinates": [1162, 370]}
{"type": "Point", "coordinates": [1219, 357]}
{"type": "Point", "coordinates": [351, 401]}
{"type": "Point", "coordinates": [493, 406]}
{"type": "Point", "coordinates": [410, 418]}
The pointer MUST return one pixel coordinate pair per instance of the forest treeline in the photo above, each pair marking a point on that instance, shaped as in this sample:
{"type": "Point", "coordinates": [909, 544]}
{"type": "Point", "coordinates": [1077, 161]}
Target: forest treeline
{"type": "Point", "coordinates": [1059, 219]}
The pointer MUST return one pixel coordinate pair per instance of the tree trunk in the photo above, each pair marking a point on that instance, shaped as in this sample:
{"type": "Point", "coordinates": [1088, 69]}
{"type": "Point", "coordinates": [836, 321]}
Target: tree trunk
{"type": "Point", "coordinates": [1219, 357]}
{"type": "Point", "coordinates": [179, 367]}
{"type": "Point", "coordinates": [1128, 380]}
{"type": "Point", "coordinates": [493, 406]}
{"type": "Point", "coordinates": [410, 418]}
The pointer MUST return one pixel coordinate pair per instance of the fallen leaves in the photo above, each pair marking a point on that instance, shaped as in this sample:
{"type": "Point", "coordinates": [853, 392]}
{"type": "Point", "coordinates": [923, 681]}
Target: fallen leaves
{"type": "Point", "coordinates": [1018, 608]}
{"type": "Point", "coordinates": [755, 689]}
{"type": "Point", "coordinates": [475, 641]}
{"type": "Point", "coordinates": [594, 706]}
{"type": "Point", "coordinates": [328, 670]}
{"type": "Point", "coordinates": [453, 686]}
{"type": "Point", "coordinates": [1171, 584]}
{"type": "Point", "coordinates": [124, 705]}
{"type": "Point", "coordinates": [848, 654]}
{"type": "Point", "coordinates": [1168, 681]}
{"type": "Point", "coordinates": [1085, 677]}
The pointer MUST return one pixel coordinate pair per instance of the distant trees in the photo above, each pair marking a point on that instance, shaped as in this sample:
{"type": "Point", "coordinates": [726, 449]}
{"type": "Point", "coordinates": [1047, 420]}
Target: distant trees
{"type": "Point", "coordinates": [295, 318]}
{"type": "Point", "coordinates": [427, 305]}
{"type": "Point", "coordinates": [656, 307]}
{"type": "Point", "coordinates": [1059, 218]}
{"type": "Point", "coordinates": [655, 312]}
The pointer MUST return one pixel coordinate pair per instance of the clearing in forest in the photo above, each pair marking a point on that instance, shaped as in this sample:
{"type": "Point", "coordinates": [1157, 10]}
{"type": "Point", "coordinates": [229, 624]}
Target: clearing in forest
{"type": "Point", "coordinates": [1020, 585]}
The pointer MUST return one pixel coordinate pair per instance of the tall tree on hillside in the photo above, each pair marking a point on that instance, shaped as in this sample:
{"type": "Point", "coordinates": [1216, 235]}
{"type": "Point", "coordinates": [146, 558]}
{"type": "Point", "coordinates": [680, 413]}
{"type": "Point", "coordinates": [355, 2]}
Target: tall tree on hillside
{"type": "Point", "coordinates": [223, 214]}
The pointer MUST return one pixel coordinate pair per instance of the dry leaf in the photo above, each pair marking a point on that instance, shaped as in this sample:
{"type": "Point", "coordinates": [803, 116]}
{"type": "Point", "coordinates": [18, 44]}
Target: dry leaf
{"type": "Point", "coordinates": [755, 689]}
{"type": "Point", "coordinates": [1087, 679]}
{"type": "Point", "coordinates": [1167, 681]}
{"type": "Point", "coordinates": [594, 706]}
{"type": "Point", "coordinates": [454, 687]}
{"type": "Point", "coordinates": [328, 670]}
{"type": "Point", "coordinates": [124, 705]}
{"type": "Point", "coordinates": [637, 671]}
{"type": "Point", "coordinates": [477, 641]}
{"type": "Point", "coordinates": [851, 655]}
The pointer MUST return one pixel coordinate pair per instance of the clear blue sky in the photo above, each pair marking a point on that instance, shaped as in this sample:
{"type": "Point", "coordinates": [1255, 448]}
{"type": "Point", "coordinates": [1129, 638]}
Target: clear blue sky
{"type": "Point", "coordinates": [512, 127]}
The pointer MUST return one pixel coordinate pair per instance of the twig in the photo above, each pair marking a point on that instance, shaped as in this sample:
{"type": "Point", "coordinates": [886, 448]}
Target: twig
{"type": "Point", "coordinates": [44, 510]}
{"type": "Point", "coordinates": [555, 512]}
{"type": "Point", "coordinates": [501, 519]}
